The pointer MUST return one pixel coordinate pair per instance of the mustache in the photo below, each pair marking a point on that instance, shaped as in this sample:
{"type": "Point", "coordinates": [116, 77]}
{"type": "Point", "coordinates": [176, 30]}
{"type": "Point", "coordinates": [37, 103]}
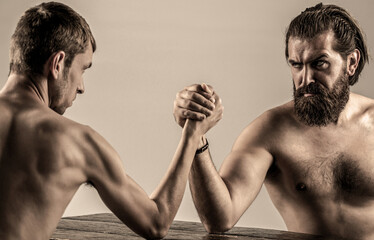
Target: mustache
{"type": "Point", "coordinates": [311, 88]}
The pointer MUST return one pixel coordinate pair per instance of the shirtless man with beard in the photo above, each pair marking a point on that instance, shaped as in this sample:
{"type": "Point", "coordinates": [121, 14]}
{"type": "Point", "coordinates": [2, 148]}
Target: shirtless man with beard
{"type": "Point", "coordinates": [315, 154]}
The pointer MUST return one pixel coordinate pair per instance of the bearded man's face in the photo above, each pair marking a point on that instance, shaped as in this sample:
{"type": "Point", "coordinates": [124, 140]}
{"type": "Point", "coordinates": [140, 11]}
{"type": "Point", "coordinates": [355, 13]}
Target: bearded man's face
{"type": "Point", "coordinates": [315, 105]}
{"type": "Point", "coordinates": [320, 79]}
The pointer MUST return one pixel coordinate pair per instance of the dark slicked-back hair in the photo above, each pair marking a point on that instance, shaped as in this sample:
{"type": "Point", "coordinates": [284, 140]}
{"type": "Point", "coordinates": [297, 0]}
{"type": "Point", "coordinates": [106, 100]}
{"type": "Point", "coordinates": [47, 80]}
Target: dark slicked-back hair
{"type": "Point", "coordinates": [46, 29]}
{"type": "Point", "coordinates": [322, 18]}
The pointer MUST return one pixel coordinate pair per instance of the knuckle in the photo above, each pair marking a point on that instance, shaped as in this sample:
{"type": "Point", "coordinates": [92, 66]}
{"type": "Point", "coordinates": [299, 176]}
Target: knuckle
{"type": "Point", "coordinates": [207, 112]}
{"type": "Point", "coordinates": [211, 105]}
{"type": "Point", "coordinates": [192, 115]}
{"type": "Point", "coordinates": [185, 103]}
{"type": "Point", "coordinates": [193, 86]}
{"type": "Point", "coordinates": [188, 104]}
{"type": "Point", "coordinates": [202, 110]}
{"type": "Point", "coordinates": [189, 94]}
{"type": "Point", "coordinates": [194, 96]}
{"type": "Point", "coordinates": [185, 113]}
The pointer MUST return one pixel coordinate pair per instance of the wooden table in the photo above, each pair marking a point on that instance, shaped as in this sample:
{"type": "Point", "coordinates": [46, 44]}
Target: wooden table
{"type": "Point", "coordinates": [108, 226]}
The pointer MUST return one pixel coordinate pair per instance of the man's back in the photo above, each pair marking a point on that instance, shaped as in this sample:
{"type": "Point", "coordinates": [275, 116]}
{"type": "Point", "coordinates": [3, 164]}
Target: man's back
{"type": "Point", "coordinates": [44, 158]}
{"type": "Point", "coordinates": [40, 167]}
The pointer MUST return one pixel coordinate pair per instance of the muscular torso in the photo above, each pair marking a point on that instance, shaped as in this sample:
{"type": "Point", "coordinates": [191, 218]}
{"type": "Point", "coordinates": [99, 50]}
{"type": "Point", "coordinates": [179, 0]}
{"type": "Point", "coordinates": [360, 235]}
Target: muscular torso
{"type": "Point", "coordinates": [321, 180]}
{"type": "Point", "coordinates": [40, 168]}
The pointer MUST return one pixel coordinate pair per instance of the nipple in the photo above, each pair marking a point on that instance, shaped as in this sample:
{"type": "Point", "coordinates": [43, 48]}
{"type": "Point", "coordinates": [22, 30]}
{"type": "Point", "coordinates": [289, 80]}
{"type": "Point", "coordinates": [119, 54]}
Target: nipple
{"type": "Point", "coordinates": [301, 187]}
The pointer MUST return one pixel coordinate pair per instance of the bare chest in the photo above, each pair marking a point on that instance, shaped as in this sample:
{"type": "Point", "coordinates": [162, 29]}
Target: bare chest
{"type": "Point", "coordinates": [341, 172]}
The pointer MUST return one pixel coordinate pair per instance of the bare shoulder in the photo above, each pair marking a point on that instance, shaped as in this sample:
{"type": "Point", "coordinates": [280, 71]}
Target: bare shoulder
{"type": "Point", "coordinates": [274, 119]}
{"type": "Point", "coordinates": [267, 127]}
{"type": "Point", "coordinates": [76, 146]}
{"type": "Point", "coordinates": [60, 138]}
{"type": "Point", "coordinates": [362, 110]}
{"type": "Point", "coordinates": [364, 103]}
{"type": "Point", "coordinates": [81, 142]}
{"type": "Point", "coordinates": [5, 122]}
{"type": "Point", "coordinates": [279, 116]}
{"type": "Point", "coordinates": [48, 126]}
{"type": "Point", "coordinates": [87, 149]}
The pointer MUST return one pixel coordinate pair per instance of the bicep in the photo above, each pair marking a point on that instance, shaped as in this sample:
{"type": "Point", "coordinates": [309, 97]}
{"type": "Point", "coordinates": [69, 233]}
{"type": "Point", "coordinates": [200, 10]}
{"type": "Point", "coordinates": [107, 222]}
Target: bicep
{"type": "Point", "coordinates": [118, 191]}
{"type": "Point", "coordinates": [244, 170]}
{"type": "Point", "coordinates": [244, 174]}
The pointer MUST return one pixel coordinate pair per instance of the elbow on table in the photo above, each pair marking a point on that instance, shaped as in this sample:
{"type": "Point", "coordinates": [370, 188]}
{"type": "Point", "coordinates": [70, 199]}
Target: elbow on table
{"type": "Point", "coordinates": [154, 234]}
{"type": "Point", "coordinates": [218, 227]}
{"type": "Point", "coordinates": [157, 231]}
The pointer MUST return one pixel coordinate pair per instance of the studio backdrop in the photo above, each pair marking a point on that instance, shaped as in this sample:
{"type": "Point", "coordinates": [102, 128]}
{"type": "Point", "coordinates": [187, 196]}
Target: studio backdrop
{"type": "Point", "coordinates": [149, 50]}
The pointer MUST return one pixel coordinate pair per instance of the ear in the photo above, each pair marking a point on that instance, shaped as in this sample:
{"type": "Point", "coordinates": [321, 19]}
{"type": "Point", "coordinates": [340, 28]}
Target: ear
{"type": "Point", "coordinates": [352, 62]}
{"type": "Point", "coordinates": [57, 64]}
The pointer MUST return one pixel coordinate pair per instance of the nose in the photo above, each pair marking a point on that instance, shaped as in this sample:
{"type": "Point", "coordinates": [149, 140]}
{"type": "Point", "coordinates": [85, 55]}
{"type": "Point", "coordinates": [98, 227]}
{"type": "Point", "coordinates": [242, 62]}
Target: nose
{"type": "Point", "coordinates": [307, 76]}
{"type": "Point", "coordinates": [80, 89]}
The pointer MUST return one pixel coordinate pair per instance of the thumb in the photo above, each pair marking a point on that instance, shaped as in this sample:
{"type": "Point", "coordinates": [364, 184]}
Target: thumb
{"type": "Point", "coordinates": [206, 88]}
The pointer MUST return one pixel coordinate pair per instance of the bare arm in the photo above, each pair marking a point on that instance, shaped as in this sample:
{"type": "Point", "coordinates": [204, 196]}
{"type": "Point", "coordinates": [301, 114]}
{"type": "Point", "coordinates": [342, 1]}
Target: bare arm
{"type": "Point", "coordinates": [222, 197]}
{"type": "Point", "coordinates": [152, 216]}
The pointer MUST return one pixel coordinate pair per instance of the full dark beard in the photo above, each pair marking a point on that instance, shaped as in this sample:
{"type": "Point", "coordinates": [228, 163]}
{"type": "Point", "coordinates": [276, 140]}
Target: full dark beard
{"type": "Point", "coordinates": [324, 106]}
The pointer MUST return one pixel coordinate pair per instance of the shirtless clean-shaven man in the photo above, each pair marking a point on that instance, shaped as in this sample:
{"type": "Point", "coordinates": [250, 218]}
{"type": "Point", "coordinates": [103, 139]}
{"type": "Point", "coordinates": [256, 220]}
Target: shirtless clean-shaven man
{"type": "Point", "coordinates": [45, 157]}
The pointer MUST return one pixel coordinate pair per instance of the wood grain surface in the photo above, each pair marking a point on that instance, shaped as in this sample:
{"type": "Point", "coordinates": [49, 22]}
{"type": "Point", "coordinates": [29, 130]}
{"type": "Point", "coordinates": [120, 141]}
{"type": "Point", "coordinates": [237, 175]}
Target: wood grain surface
{"type": "Point", "coordinates": [108, 226]}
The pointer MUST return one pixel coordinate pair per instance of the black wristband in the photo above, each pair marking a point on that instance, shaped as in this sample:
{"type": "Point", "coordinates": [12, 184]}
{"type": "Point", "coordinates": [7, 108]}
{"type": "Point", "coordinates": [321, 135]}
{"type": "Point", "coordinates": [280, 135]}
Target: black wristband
{"type": "Point", "coordinates": [203, 148]}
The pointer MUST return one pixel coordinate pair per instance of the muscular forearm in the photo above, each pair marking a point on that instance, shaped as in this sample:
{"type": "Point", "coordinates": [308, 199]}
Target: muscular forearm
{"type": "Point", "coordinates": [210, 194]}
{"type": "Point", "coordinates": [168, 195]}
{"type": "Point", "coordinates": [151, 216]}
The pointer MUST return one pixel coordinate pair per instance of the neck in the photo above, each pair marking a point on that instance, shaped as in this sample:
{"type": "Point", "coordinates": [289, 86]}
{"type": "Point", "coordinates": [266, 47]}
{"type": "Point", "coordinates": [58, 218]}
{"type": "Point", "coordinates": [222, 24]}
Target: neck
{"type": "Point", "coordinates": [349, 110]}
{"type": "Point", "coordinates": [34, 86]}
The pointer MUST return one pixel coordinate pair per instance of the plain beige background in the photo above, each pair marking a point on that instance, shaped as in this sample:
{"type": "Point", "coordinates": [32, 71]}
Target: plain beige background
{"type": "Point", "coordinates": [149, 50]}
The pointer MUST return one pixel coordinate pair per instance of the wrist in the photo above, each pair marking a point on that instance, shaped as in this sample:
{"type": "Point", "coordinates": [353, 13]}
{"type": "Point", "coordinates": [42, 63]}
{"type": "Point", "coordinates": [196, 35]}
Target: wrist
{"type": "Point", "coordinates": [191, 130]}
{"type": "Point", "coordinates": [202, 141]}
{"type": "Point", "coordinates": [202, 148]}
{"type": "Point", "coordinates": [191, 135]}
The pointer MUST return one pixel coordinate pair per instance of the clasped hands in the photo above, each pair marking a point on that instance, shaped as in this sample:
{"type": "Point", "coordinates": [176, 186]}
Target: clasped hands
{"type": "Point", "coordinates": [200, 103]}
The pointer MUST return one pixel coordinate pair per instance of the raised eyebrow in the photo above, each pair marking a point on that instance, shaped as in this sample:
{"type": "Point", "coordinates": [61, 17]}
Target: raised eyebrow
{"type": "Point", "coordinates": [291, 61]}
{"type": "Point", "coordinates": [319, 57]}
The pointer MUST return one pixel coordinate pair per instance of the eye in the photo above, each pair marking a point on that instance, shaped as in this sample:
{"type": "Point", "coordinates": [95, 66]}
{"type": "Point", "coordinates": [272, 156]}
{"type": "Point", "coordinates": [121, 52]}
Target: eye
{"type": "Point", "coordinates": [296, 65]}
{"type": "Point", "coordinates": [321, 64]}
